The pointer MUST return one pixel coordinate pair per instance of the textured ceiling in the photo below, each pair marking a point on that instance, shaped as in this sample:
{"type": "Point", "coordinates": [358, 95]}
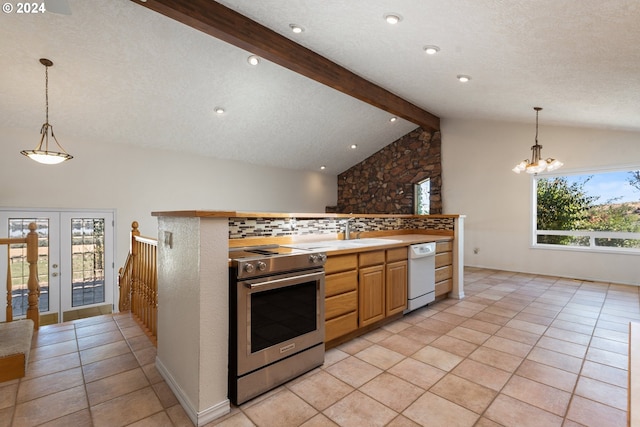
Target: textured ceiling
{"type": "Point", "coordinates": [126, 74]}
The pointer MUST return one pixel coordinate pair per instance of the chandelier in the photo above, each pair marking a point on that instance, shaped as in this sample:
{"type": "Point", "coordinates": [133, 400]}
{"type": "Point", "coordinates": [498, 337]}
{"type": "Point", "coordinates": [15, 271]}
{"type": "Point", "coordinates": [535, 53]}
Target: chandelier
{"type": "Point", "coordinates": [42, 154]}
{"type": "Point", "coordinates": [537, 163]}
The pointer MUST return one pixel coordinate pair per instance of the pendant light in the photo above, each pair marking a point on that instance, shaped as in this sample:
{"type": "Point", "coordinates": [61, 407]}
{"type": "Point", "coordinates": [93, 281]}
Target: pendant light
{"type": "Point", "coordinates": [537, 163]}
{"type": "Point", "coordinates": [42, 154]}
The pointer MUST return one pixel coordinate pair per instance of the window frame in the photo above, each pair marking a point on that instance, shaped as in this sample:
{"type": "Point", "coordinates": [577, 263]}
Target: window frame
{"type": "Point", "coordinates": [592, 248]}
{"type": "Point", "coordinates": [416, 197]}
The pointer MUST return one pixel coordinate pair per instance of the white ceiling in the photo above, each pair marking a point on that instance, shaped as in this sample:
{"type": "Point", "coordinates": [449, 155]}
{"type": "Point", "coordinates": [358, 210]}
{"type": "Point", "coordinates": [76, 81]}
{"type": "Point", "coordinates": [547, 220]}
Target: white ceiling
{"type": "Point", "coordinates": [125, 74]}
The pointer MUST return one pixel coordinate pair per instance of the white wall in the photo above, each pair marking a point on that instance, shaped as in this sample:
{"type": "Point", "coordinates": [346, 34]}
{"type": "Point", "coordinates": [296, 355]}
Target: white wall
{"type": "Point", "coordinates": [137, 181]}
{"type": "Point", "coordinates": [477, 158]}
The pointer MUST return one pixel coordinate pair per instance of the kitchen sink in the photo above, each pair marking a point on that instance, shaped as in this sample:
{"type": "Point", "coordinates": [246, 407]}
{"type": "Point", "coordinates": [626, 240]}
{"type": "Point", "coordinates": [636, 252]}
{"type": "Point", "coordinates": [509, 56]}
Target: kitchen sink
{"type": "Point", "coordinates": [341, 244]}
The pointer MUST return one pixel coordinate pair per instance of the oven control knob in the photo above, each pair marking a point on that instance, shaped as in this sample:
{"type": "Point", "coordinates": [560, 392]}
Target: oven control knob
{"type": "Point", "coordinates": [322, 257]}
{"type": "Point", "coordinates": [313, 258]}
{"type": "Point", "coordinates": [262, 265]}
{"type": "Point", "coordinates": [249, 268]}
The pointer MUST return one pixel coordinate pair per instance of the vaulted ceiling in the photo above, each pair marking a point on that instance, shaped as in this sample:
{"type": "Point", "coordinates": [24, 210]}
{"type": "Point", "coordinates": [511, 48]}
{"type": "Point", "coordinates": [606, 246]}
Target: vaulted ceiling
{"type": "Point", "coordinates": [126, 74]}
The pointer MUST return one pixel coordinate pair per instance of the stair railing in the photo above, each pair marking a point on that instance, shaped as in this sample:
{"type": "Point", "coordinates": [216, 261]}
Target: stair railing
{"type": "Point", "coordinates": [138, 281]}
{"type": "Point", "coordinates": [31, 240]}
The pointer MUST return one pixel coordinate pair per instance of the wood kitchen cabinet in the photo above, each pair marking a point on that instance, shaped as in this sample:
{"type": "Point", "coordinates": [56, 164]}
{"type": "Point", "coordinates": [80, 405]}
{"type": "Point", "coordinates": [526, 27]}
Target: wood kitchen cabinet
{"type": "Point", "coordinates": [363, 289]}
{"type": "Point", "coordinates": [371, 290]}
{"type": "Point", "coordinates": [444, 267]}
{"type": "Point", "coordinates": [382, 284]}
{"type": "Point", "coordinates": [341, 295]}
{"type": "Point", "coordinates": [396, 281]}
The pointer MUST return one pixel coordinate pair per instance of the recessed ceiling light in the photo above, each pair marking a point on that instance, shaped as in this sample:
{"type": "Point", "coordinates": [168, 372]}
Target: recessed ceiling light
{"type": "Point", "coordinates": [431, 49]}
{"type": "Point", "coordinates": [392, 18]}
{"type": "Point", "coordinates": [296, 28]}
{"type": "Point", "coordinates": [393, 119]}
{"type": "Point", "coordinates": [323, 167]}
{"type": "Point", "coordinates": [253, 60]}
{"type": "Point", "coordinates": [463, 78]}
{"type": "Point", "coordinates": [219, 110]}
{"type": "Point", "coordinates": [354, 146]}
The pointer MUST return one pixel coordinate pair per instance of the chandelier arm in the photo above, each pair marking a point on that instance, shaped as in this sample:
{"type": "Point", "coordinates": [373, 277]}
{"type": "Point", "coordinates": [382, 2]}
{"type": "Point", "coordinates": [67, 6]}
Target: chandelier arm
{"type": "Point", "coordinates": [56, 140]}
{"type": "Point", "coordinates": [39, 146]}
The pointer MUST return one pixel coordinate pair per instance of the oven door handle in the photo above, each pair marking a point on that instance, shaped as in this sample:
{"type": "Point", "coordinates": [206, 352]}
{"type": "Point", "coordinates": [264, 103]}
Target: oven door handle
{"type": "Point", "coordinates": [276, 282]}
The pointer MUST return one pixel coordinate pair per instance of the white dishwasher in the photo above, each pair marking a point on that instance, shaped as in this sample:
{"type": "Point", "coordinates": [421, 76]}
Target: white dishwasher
{"type": "Point", "coordinates": [421, 287]}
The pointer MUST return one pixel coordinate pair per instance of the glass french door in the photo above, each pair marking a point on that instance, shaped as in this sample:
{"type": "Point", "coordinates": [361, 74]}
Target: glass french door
{"type": "Point", "coordinates": [75, 262]}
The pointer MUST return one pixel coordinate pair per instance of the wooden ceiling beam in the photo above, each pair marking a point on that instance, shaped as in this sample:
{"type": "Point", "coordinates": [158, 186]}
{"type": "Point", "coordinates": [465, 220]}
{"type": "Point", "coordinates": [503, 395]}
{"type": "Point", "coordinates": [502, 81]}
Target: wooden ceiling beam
{"type": "Point", "coordinates": [230, 26]}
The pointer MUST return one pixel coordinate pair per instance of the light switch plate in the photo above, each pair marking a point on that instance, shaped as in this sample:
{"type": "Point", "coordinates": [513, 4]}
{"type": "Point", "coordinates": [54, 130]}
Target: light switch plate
{"type": "Point", "coordinates": [168, 239]}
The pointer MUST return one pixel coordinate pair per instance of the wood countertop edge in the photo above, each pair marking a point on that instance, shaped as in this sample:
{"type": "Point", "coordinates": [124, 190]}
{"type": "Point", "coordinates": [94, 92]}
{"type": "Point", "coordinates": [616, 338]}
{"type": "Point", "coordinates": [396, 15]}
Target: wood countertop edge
{"type": "Point", "coordinates": [237, 214]}
{"type": "Point", "coordinates": [405, 240]}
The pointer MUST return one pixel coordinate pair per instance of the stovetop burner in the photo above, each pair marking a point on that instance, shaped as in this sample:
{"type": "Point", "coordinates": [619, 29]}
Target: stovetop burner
{"type": "Point", "coordinates": [263, 251]}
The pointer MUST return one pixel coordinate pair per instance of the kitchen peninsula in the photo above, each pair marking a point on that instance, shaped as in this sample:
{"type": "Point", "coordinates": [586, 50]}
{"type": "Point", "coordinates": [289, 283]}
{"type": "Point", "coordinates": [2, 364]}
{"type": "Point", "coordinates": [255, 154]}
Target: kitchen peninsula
{"type": "Point", "coordinates": [193, 282]}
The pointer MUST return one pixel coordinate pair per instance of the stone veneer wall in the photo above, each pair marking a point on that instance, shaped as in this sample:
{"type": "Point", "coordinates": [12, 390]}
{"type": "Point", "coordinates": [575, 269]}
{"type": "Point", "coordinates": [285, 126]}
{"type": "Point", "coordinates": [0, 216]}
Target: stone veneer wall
{"type": "Point", "coordinates": [240, 228]}
{"type": "Point", "coordinates": [384, 183]}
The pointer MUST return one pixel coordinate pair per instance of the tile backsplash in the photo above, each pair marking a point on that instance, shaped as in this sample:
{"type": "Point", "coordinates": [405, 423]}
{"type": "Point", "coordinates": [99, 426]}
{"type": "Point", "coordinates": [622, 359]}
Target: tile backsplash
{"type": "Point", "coordinates": [240, 228]}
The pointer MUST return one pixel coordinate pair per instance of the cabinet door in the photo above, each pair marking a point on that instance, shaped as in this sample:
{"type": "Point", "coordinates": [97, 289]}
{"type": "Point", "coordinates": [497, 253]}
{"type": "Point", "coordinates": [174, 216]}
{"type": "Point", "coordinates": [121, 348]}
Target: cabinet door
{"type": "Point", "coordinates": [371, 294]}
{"type": "Point", "coordinates": [396, 287]}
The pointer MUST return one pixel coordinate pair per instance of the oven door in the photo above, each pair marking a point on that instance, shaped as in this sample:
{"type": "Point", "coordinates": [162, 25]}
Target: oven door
{"type": "Point", "coordinates": [278, 316]}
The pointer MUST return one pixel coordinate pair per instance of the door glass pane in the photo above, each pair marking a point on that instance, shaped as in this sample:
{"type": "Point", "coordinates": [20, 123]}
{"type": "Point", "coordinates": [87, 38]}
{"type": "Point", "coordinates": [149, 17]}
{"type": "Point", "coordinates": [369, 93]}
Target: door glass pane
{"type": "Point", "coordinates": [19, 228]}
{"type": "Point", "coordinates": [87, 267]}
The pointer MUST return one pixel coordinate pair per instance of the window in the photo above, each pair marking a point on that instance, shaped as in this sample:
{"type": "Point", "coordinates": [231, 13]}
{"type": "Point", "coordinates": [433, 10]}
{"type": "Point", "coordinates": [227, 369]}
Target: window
{"type": "Point", "coordinates": [422, 191]}
{"type": "Point", "coordinates": [589, 211]}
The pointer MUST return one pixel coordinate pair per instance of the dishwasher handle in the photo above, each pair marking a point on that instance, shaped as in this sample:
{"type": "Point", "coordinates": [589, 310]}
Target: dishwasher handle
{"type": "Point", "coordinates": [422, 250]}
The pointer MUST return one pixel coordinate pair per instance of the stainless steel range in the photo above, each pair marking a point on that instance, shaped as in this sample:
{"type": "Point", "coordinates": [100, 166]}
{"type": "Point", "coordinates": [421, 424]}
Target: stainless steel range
{"type": "Point", "coordinates": [276, 317]}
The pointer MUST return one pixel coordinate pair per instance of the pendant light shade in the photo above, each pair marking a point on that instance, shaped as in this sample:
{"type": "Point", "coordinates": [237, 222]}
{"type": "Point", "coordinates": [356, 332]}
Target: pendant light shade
{"type": "Point", "coordinates": [41, 153]}
{"type": "Point", "coordinates": [537, 163]}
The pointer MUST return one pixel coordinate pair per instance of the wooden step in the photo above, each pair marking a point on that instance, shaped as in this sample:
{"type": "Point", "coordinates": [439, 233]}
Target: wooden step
{"type": "Point", "coordinates": [15, 343]}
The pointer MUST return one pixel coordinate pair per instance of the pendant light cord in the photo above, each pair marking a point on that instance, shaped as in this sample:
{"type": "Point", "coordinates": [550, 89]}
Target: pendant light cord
{"type": "Point", "coordinates": [537, 112]}
{"type": "Point", "coordinates": [46, 93]}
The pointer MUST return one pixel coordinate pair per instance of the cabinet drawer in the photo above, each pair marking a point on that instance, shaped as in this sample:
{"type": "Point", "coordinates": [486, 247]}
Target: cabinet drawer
{"type": "Point", "coordinates": [339, 283]}
{"type": "Point", "coordinates": [444, 287]}
{"type": "Point", "coordinates": [445, 258]}
{"type": "Point", "coordinates": [338, 263]}
{"type": "Point", "coordinates": [444, 246]}
{"type": "Point", "coordinates": [340, 304]}
{"type": "Point", "coordinates": [340, 326]}
{"type": "Point", "coordinates": [397, 254]}
{"type": "Point", "coordinates": [371, 258]}
{"type": "Point", "coordinates": [444, 273]}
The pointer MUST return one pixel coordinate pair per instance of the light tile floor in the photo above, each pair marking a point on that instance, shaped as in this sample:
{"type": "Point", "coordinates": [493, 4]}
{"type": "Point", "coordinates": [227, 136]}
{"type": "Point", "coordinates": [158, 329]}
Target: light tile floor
{"type": "Point", "coordinates": [519, 350]}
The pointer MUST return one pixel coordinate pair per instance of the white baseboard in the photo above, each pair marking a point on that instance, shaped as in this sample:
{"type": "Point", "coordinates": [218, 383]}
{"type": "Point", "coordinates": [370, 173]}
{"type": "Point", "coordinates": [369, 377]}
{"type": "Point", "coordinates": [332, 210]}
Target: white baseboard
{"type": "Point", "coordinates": [197, 418]}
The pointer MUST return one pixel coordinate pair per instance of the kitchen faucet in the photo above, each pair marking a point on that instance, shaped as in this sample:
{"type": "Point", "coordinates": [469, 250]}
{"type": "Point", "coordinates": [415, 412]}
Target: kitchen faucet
{"type": "Point", "coordinates": [347, 230]}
